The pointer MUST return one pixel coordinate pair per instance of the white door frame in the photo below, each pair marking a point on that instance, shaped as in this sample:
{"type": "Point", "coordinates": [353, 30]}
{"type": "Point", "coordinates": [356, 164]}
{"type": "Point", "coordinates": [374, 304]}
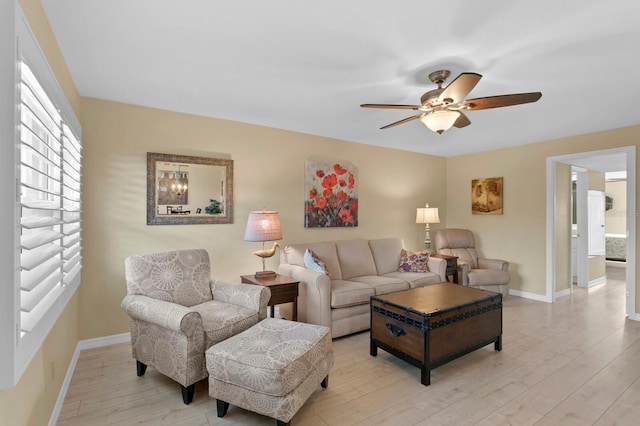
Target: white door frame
{"type": "Point", "coordinates": [582, 237]}
{"type": "Point", "coordinates": [630, 152]}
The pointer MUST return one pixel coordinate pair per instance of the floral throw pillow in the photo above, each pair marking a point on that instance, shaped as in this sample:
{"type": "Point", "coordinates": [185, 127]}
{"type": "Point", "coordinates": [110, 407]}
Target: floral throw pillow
{"type": "Point", "coordinates": [313, 262]}
{"type": "Point", "coordinates": [413, 261]}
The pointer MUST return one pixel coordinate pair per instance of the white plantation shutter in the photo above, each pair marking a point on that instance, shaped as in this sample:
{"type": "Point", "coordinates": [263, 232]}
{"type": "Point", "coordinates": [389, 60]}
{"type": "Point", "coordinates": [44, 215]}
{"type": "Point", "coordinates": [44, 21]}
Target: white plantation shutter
{"type": "Point", "coordinates": [49, 203]}
{"type": "Point", "coordinates": [41, 170]}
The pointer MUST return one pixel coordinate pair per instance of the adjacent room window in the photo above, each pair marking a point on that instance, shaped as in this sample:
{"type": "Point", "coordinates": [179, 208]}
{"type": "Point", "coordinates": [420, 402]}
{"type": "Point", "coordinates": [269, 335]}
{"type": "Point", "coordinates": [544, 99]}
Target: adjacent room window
{"type": "Point", "coordinates": [47, 209]}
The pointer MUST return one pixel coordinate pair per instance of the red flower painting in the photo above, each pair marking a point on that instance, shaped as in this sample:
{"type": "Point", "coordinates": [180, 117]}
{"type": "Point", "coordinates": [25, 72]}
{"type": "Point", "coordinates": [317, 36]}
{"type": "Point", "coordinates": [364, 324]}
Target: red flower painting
{"type": "Point", "coordinates": [332, 195]}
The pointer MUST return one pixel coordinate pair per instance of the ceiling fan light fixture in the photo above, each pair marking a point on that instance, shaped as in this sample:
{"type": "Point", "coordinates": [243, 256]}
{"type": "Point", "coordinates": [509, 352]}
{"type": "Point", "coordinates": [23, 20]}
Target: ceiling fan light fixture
{"type": "Point", "coordinates": [440, 121]}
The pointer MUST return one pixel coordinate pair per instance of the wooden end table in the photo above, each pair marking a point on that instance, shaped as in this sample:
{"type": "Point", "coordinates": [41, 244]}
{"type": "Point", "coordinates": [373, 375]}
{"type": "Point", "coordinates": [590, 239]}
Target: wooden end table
{"type": "Point", "coordinates": [283, 290]}
{"type": "Point", "coordinates": [452, 265]}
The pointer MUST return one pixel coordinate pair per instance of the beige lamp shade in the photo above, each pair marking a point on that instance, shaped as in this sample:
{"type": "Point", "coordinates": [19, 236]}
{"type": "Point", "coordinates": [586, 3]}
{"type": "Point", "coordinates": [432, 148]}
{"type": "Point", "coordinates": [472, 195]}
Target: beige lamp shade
{"type": "Point", "coordinates": [263, 226]}
{"type": "Point", "coordinates": [427, 215]}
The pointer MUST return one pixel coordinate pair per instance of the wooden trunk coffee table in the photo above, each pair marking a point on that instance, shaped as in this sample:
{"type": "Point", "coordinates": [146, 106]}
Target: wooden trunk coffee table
{"type": "Point", "coordinates": [430, 326]}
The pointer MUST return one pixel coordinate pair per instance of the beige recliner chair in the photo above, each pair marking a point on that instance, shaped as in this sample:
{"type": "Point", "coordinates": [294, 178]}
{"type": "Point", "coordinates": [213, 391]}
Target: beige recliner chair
{"type": "Point", "coordinates": [177, 312]}
{"type": "Point", "coordinates": [473, 271]}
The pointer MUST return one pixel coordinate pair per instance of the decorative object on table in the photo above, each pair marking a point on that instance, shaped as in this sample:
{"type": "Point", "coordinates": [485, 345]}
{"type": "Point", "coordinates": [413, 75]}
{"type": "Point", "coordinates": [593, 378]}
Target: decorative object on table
{"type": "Point", "coordinates": [486, 196]}
{"type": "Point", "coordinates": [263, 226]}
{"type": "Point", "coordinates": [177, 184]}
{"type": "Point", "coordinates": [331, 194]}
{"type": "Point", "coordinates": [442, 108]}
{"type": "Point", "coordinates": [427, 215]}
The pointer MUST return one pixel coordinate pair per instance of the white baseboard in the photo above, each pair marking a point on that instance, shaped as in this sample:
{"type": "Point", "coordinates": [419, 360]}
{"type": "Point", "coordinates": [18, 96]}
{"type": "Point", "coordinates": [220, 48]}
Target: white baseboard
{"type": "Point", "coordinates": [104, 341]}
{"type": "Point", "coordinates": [527, 295]}
{"type": "Point", "coordinates": [564, 292]}
{"type": "Point", "coordinates": [597, 281]}
{"type": "Point", "coordinates": [635, 317]}
{"type": "Point", "coordinates": [82, 344]}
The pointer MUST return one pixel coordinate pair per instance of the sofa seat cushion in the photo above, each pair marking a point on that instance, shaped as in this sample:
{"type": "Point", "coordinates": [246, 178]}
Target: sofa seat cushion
{"type": "Point", "coordinates": [222, 320]}
{"type": "Point", "coordinates": [478, 277]}
{"type": "Point", "coordinates": [416, 279]}
{"type": "Point", "coordinates": [383, 285]}
{"type": "Point", "coordinates": [349, 293]}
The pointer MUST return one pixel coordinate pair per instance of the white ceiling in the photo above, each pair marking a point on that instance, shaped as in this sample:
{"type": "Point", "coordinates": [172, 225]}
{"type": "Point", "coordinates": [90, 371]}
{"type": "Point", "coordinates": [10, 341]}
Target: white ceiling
{"type": "Point", "coordinates": [307, 66]}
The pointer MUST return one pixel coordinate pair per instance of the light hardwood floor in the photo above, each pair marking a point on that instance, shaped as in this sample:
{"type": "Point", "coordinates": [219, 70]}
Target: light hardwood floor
{"type": "Point", "coordinates": [575, 362]}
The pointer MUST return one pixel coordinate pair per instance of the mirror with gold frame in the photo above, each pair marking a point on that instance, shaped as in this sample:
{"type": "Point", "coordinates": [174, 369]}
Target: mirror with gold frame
{"type": "Point", "coordinates": [186, 190]}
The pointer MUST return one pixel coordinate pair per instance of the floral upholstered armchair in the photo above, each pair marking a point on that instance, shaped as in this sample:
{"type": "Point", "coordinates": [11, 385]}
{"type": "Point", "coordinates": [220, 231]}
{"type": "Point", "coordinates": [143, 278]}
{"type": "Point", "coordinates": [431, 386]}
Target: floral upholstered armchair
{"type": "Point", "coordinates": [177, 312]}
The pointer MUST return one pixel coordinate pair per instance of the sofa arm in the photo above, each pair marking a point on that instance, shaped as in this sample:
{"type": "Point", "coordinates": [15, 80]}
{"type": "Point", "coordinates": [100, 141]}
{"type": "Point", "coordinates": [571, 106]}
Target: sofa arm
{"type": "Point", "coordinates": [463, 272]}
{"type": "Point", "coordinates": [314, 298]}
{"type": "Point", "coordinates": [438, 266]}
{"type": "Point", "coordinates": [501, 265]}
{"type": "Point", "coordinates": [161, 313]}
{"type": "Point", "coordinates": [250, 296]}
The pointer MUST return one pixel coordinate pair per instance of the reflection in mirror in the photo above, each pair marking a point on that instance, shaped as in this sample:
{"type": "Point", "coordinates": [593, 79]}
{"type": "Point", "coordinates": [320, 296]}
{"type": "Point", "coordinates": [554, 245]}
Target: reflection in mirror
{"type": "Point", "coordinates": [188, 190]}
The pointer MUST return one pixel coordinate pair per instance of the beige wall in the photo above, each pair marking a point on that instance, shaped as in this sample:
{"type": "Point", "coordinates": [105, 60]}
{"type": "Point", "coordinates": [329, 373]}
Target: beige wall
{"type": "Point", "coordinates": [616, 218]}
{"type": "Point", "coordinates": [519, 235]}
{"type": "Point", "coordinates": [268, 172]}
{"type": "Point", "coordinates": [595, 180]}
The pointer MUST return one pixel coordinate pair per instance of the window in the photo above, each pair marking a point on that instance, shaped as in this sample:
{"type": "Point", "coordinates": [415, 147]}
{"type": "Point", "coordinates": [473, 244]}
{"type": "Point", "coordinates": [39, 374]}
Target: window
{"type": "Point", "coordinates": [47, 247]}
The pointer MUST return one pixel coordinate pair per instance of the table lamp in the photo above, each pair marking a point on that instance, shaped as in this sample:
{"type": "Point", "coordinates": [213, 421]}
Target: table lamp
{"type": "Point", "coordinates": [263, 226]}
{"type": "Point", "coordinates": [427, 215]}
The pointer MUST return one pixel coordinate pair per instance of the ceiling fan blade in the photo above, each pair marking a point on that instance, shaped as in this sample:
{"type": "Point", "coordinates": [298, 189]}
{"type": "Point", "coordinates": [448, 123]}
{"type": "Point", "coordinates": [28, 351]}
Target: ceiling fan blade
{"type": "Point", "coordinates": [404, 120]}
{"type": "Point", "coordinates": [392, 106]}
{"type": "Point", "coordinates": [500, 101]}
{"type": "Point", "coordinates": [462, 121]}
{"type": "Point", "coordinates": [460, 87]}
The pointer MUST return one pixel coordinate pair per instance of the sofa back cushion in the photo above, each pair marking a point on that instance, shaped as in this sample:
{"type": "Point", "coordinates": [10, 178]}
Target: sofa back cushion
{"type": "Point", "coordinates": [386, 254]}
{"type": "Point", "coordinates": [293, 254]}
{"type": "Point", "coordinates": [355, 258]}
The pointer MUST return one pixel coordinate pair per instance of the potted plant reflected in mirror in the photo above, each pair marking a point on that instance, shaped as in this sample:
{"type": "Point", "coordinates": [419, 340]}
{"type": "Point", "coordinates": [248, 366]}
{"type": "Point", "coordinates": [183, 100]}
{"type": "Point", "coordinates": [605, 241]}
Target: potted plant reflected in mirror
{"type": "Point", "coordinates": [214, 208]}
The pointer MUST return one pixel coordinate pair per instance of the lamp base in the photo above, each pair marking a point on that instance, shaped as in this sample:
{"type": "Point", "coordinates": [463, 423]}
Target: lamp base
{"type": "Point", "coordinates": [265, 274]}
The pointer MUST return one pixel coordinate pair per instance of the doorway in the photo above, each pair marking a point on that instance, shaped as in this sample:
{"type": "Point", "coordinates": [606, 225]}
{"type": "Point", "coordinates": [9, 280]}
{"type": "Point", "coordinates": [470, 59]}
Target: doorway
{"type": "Point", "coordinates": [627, 157]}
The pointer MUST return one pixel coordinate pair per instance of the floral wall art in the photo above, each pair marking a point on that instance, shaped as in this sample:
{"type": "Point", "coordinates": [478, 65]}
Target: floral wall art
{"type": "Point", "coordinates": [331, 198]}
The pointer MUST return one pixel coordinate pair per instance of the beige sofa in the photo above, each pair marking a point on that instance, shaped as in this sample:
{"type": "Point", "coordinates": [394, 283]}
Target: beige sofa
{"type": "Point", "coordinates": [358, 269]}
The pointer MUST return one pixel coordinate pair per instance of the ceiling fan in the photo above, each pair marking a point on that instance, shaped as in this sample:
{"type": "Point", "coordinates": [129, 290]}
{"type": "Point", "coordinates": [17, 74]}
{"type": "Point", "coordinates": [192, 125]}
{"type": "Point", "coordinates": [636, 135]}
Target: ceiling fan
{"type": "Point", "coordinates": [443, 107]}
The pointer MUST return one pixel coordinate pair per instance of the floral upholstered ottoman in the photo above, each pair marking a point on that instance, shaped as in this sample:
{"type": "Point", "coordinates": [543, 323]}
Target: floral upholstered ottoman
{"type": "Point", "coordinates": [271, 368]}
